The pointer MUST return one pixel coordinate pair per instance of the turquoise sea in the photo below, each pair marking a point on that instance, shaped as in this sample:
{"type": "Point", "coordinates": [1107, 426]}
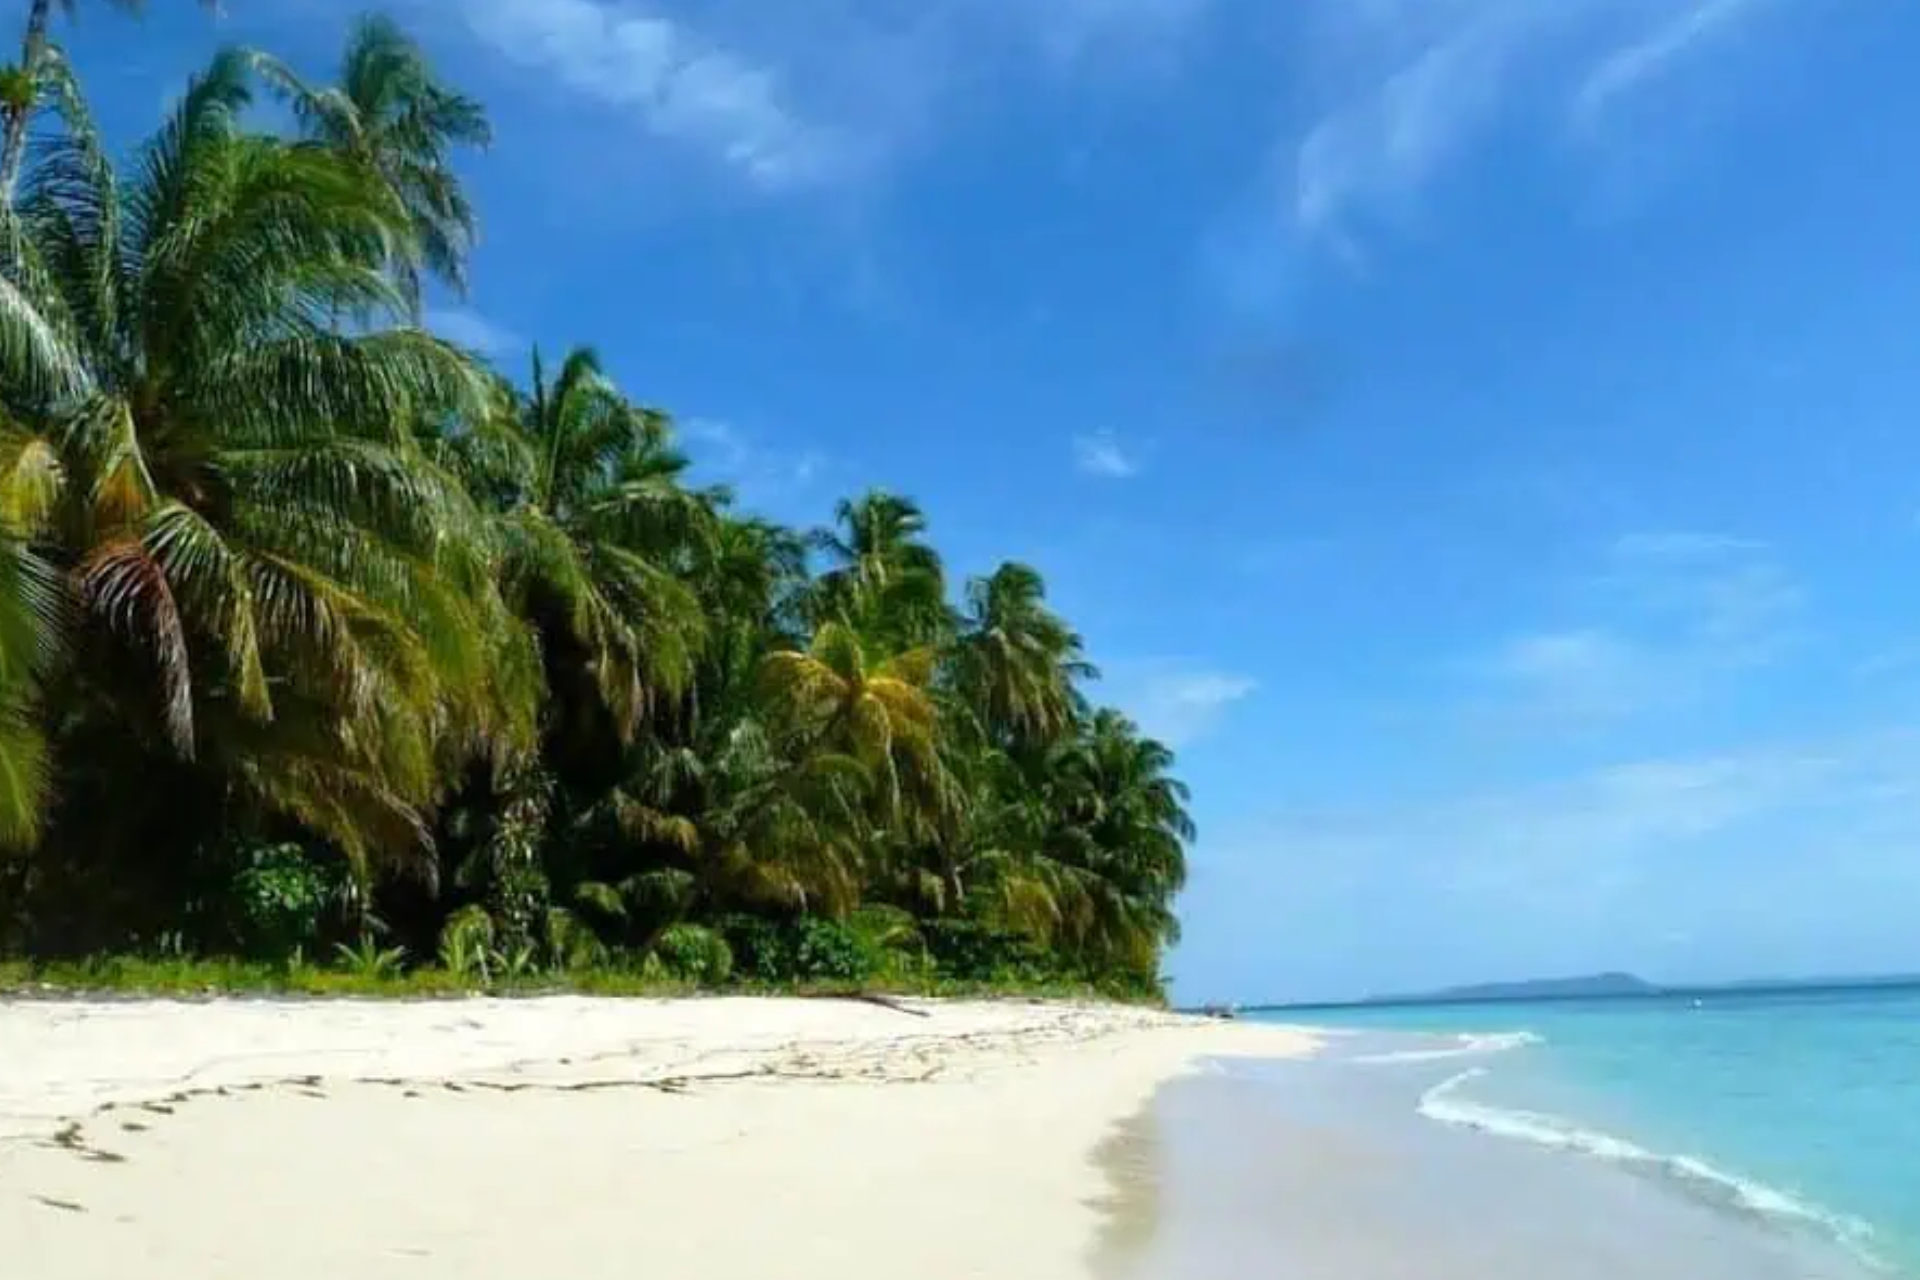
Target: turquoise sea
{"type": "Point", "coordinates": [1796, 1112]}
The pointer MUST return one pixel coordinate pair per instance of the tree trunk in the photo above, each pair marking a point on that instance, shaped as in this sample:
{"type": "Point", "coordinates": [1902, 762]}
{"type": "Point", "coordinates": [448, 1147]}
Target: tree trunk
{"type": "Point", "coordinates": [13, 147]}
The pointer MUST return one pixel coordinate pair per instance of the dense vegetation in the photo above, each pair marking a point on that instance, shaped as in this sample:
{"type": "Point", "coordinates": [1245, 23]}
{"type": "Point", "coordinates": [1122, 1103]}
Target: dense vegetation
{"type": "Point", "coordinates": [322, 643]}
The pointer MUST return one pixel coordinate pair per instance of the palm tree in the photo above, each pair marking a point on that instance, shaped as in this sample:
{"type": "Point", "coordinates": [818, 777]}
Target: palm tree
{"type": "Point", "coordinates": [1016, 661]}
{"type": "Point", "coordinates": [726, 822]}
{"type": "Point", "coordinates": [749, 575]}
{"type": "Point", "coordinates": [241, 509]}
{"type": "Point", "coordinates": [975, 854]}
{"type": "Point", "coordinates": [751, 572]}
{"type": "Point", "coordinates": [20, 86]}
{"type": "Point", "coordinates": [1118, 840]}
{"type": "Point", "coordinates": [884, 580]}
{"type": "Point", "coordinates": [30, 608]}
{"type": "Point", "coordinates": [392, 114]}
{"type": "Point", "coordinates": [283, 574]}
{"type": "Point", "coordinates": [835, 697]}
{"type": "Point", "coordinates": [592, 510]}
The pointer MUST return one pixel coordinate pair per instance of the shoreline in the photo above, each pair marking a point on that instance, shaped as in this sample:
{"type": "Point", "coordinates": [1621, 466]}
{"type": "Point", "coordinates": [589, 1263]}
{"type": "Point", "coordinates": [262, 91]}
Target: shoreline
{"type": "Point", "coordinates": [1333, 1166]}
{"type": "Point", "coordinates": [711, 1138]}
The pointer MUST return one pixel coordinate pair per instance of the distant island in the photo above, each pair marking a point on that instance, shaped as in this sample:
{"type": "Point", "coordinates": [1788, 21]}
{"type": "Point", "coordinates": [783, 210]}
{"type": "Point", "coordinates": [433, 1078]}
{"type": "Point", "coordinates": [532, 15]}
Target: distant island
{"type": "Point", "coordinates": [1585, 987]}
{"type": "Point", "coordinates": [1609, 986]}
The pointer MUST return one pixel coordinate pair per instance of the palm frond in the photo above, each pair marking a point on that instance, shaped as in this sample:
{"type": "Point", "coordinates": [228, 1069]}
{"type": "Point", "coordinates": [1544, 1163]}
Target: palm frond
{"type": "Point", "coordinates": [123, 584]}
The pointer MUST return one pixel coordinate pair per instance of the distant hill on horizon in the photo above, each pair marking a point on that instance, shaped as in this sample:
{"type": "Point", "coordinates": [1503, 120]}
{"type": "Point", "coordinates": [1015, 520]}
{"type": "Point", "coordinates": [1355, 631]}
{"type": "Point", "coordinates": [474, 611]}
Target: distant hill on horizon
{"type": "Point", "coordinates": [1585, 986]}
{"type": "Point", "coordinates": [1600, 986]}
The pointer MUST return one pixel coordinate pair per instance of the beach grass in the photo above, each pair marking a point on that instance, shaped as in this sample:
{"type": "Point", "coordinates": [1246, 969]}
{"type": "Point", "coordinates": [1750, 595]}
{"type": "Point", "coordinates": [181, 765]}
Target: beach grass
{"type": "Point", "coordinates": [164, 977]}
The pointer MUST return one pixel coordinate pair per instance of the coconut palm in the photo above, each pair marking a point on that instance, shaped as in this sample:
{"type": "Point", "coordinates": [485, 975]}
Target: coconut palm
{"type": "Point", "coordinates": [1118, 840]}
{"type": "Point", "coordinates": [21, 85]}
{"type": "Point", "coordinates": [30, 616]}
{"type": "Point", "coordinates": [835, 696]}
{"type": "Point", "coordinates": [883, 579]}
{"type": "Point", "coordinates": [286, 583]}
{"type": "Point", "coordinates": [731, 821]}
{"type": "Point", "coordinates": [593, 515]}
{"type": "Point", "coordinates": [391, 113]}
{"type": "Point", "coordinates": [749, 575]}
{"type": "Point", "coordinates": [240, 505]}
{"type": "Point", "coordinates": [974, 853]}
{"type": "Point", "coordinates": [1015, 661]}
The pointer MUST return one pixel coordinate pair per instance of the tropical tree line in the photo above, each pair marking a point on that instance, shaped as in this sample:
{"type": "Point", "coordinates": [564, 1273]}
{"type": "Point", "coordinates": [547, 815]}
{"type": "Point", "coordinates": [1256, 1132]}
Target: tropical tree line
{"type": "Point", "coordinates": [319, 636]}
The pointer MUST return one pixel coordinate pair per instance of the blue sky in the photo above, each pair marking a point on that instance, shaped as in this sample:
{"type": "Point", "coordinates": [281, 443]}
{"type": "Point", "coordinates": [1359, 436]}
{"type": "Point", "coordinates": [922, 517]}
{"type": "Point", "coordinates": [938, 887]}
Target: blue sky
{"type": "Point", "coordinates": [1482, 435]}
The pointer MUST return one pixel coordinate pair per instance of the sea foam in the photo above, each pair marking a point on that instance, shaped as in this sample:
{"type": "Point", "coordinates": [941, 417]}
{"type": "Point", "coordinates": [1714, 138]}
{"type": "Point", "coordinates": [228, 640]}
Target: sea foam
{"type": "Point", "coordinates": [1464, 1046]}
{"type": "Point", "coordinates": [1690, 1174]}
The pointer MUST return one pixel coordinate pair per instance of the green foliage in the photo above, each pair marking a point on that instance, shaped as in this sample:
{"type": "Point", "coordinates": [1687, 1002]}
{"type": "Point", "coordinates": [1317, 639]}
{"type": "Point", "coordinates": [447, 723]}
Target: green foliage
{"type": "Point", "coordinates": [467, 944]}
{"type": "Point", "coordinates": [279, 900]}
{"type": "Point", "coordinates": [973, 951]}
{"type": "Point", "coordinates": [368, 959]}
{"type": "Point", "coordinates": [16, 88]}
{"type": "Point", "coordinates": [517, 887]}
{"type": "Point", "coordinates": [762, 949]}
{"type": "Point", "coordinates": [694, 953]}
{"type": "Point", "coordinates": [830, 951]}
{"type": "Point", "coordinates": [464, 669]}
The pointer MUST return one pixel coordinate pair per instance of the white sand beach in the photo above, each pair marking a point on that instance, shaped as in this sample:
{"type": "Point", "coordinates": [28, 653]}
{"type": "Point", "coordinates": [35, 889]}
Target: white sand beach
{"type": "Point", "coordinates": [576, 1138]}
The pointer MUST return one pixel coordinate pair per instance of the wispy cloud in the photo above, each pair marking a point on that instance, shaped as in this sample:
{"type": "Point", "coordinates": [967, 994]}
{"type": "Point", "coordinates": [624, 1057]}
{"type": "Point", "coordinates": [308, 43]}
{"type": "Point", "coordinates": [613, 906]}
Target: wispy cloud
{"type": "Point", "coordinates": [787, 97]}
{"type": "Point", "coordinates": [1178, 703]}
{"type": "Point", "coordinates": [1597, 832]}
{"type": "Point", "coordinates": [759, 474]}
{"type": "Point", "coordinates": [1658, 53]}
{"type": "Point", "coordinates": [669, 78]}
{"type": "Point", "coordinates": [1425, 109]}
{"type": "Point", "coordinates": [1664, 621]}
{"type": "Point", "coordinates": [1580, 675]}
{"type": "Point", "coordinates": [1070, 30]}
{"type": "Point", "coordinates": [1680, 544]}
{"type": "Point", "coordinates": [1732, 594]}
{"type": "Point", "coordinates": [801, 97]}
{"type": "Point", "coordinates": [1100, 453]}
{"type": "Point", "coordinates": [468, 328]}
{"type": "Point", "coordinates": [1804, 843]}
{"type": "Point", "coordinates": [1435, 78]}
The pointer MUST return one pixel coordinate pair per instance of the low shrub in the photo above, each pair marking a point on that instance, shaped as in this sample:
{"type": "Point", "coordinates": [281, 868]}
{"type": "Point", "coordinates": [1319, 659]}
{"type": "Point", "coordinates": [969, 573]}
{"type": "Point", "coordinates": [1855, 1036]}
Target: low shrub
{"type": "Point", "coordinates": [762, 949]}
{"type": "Point", "coordinates": [970, 951]}
{"type": "Point", "coordinates": [694, 953]}
{"type": "Point", "coordinates": [831, 951]}
{"type": "Point", "coordinates": [277, 900]}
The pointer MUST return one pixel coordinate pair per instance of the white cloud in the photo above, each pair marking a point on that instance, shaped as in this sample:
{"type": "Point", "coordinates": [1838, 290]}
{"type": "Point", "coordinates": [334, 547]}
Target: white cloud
{"type": "Point", "coordinates": [1100, 453]}
{"type": "Point", "coordinates": [666, 76]}
{"type": "Point", "coordinates": [758, 474]}
{"type": "Point", "coordinates": [1730, 594]}
{"type": "Point", "coordinates": [1681, 543]}
{"type": "Point", "coordinates": [1574, 675]}
{"type": "Point", "coordinates": [1666, 621]}
{"type": "Point", "coordinates": [1644, 60]}
{"type": "Point", "coordinates": [1393, 139]}
{"type": "Point", "coordinates": [1800, 849]}
{"type": "Point", "coordinates": [1433, 78]}
{"type": "Point", "coordinates": [1177, 703]}
{"type": "Point", "coordinates": [799, 96]}
{"type": "Point", "coordinates": [470, 329]}
{"type": "Point", "coordinates": [1069, 30]}
{"type": "Point", "coordinates": [1561, 843]}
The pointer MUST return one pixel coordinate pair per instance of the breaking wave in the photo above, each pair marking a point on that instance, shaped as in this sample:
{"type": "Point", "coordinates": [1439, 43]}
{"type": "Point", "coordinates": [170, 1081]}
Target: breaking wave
{"type": "Point", "coordinates": [1689, 1174]}
{"type": "Point", "coordinates": [1465, 1046]}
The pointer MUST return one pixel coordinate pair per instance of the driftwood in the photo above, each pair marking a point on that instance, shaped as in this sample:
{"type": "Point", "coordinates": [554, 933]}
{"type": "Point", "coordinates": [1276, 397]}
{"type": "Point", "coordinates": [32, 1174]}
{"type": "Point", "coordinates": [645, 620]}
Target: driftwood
{"type": "Point", "coordinates": [885, 1002]}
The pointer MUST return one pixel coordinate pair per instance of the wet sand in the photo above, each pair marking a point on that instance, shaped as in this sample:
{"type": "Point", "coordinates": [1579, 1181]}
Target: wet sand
{"type": "Point", "coordinates": [1321, 1170]}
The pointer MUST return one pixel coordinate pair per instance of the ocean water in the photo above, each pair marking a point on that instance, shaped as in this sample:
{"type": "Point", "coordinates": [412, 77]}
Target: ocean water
{"type": "Point", "coordinates": [1794, 1114]}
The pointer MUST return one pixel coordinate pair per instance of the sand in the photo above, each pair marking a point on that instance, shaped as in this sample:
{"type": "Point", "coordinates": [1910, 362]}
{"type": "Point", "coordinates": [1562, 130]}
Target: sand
{"type": "Point", "coordinates": [573, 1138]}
